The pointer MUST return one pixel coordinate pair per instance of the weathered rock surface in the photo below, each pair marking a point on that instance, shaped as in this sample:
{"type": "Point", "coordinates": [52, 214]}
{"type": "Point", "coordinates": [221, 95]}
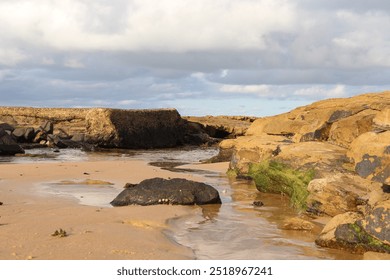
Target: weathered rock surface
{"type": "Point", "coordinates": [346, 142]}
{"type": "Point", "coordinates": [222, 126]}
{"type": "Point", "coordinates": [371, 155]}
{"type": "Point", "coordinates": [112, 128]}
{"type": "Point", "coordinates": [162, 191]}
{"type": "Point", "coordinates": [339, 193]}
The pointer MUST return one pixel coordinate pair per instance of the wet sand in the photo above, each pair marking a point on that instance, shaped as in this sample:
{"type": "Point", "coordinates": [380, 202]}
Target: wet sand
{"type": "Point", "coordinates": [29, 217]}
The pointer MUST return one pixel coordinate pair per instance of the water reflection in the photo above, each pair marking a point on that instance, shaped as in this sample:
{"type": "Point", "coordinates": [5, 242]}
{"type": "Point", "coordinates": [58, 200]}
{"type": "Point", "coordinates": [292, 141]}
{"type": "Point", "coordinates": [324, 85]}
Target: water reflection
{"type": "Point", "coordinates": [239, 230]}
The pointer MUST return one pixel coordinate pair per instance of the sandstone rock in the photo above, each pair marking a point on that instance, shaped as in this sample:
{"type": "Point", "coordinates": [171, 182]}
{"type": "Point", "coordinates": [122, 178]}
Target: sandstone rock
{"type": "Point", "coordinates": [297, 224]}
{"type": "Point", "coordinates": [382, 120]}
{"type": "Point", "coordinates": [371, 156]}
{"type": "Point", "coordinates": [312, 122]}
{"type": "Point", "coordinates": [327, 237]}
{"type": "Point", "coordinates": [79, 137]}
{"type": "Point", "coordinates": [345, 131]}
{"type": "Point", "coordinates": [339, 193]}
{"type": "Point", "coordinates": [253, 149]}
{"type": "Point", "coordinates": [103, 127]}
{"type": "Point", "coordinates": [222, 126]}
{"type": "Point", "coordinates": [161, 191]}
{"type": "Point", "coordinates": [322, 156]}
{"type": "Point", "coordinates": [377, 222]}
{"type": "Point", "coordinates": [346, 231]}
{"type": "Point", "coordinates": [8, 146]}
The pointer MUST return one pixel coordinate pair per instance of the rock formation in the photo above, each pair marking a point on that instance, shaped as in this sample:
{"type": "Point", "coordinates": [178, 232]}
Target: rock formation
{"type": "Point", "coordinates": [345, 144]}
{"type": "Point", "coordinates": [162, 191]}
{"type": "Point", "coordinates": [111, 128]}
{"type": "Point", "coordinates": [8, 145]}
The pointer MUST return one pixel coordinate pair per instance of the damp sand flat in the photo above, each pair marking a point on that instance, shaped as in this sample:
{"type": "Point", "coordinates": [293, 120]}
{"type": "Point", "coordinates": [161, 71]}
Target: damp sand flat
{"type": "Point", "coordinates": [29, 217]}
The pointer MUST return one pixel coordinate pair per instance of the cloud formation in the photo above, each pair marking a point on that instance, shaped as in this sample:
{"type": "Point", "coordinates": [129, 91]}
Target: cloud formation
{"type": "Point", "coordinates": [192, 55]}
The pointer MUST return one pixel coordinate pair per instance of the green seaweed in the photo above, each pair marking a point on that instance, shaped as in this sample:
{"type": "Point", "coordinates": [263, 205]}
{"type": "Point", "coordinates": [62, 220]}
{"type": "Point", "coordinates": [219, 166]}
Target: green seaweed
{"type": "Point", "coordinates": [277, 177]}
{"type": "Point", "coordinates": [232, 173]}
{"type": "Point", "coordinates": [367, 241]}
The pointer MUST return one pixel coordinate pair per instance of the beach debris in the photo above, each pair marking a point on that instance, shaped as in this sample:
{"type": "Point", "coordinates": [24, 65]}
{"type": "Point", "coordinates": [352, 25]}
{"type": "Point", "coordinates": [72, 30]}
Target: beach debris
{"type": "Point", "coordinates": [60, 233]}
{"type": "Point", "coordinates": [1, 203]}
{"type": "Point", "coordinates": [86, 173]}
{"type": "Point", "coordinates": [161, 191]}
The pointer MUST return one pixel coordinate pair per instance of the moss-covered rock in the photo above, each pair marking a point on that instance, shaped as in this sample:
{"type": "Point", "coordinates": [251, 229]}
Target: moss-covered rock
{"type": "Point", "coordinates": [276, 177]}
{"type": "Point", "coordinates": [353, 237]}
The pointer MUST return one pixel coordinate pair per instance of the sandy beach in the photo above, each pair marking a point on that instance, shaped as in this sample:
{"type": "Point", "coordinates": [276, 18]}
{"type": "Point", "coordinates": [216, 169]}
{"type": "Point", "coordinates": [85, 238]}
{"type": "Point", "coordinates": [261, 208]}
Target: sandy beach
{"type": "Point", "coordinates": [29, 217]}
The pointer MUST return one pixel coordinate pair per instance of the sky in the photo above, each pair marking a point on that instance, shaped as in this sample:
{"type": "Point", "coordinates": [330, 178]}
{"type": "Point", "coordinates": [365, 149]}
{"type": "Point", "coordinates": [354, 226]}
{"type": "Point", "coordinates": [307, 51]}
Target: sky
{"type": "Point", "coordinates": [202, 57]}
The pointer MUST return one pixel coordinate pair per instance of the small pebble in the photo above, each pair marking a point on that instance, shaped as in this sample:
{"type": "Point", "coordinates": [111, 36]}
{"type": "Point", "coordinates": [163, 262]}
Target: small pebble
{"type": "Point", "coordinates": [258, 203]}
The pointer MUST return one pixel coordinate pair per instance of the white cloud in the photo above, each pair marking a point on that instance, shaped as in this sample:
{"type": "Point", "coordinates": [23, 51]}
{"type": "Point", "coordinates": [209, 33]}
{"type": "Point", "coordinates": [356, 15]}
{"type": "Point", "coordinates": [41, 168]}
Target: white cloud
{"type": "Point", "coordinates": [11, 57]}
{"type": "Point", "coordinates": [127, 102]}
{"type": "Point", "coordinates": [73, 63]}
{"type": "Point", "coordinates": [319, 92]}
{"type": "Point", "coordinates": [165, 25]}
{"type": "Point", "coordinates": [259, 90]}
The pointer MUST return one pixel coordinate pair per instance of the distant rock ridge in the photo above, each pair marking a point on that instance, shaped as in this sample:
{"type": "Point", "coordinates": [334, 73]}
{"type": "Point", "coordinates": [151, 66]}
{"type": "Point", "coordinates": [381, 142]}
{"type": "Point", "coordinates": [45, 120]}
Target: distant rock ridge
{"type": "Point", "coordinates": [110, 128]}
{"type": "Point", "coordinates": [346, 143]}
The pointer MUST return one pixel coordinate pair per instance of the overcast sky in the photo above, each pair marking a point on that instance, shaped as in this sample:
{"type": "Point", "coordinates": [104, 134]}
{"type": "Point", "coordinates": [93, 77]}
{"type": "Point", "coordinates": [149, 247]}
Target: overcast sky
{"type": "Point", "coordinates": [233, 57]}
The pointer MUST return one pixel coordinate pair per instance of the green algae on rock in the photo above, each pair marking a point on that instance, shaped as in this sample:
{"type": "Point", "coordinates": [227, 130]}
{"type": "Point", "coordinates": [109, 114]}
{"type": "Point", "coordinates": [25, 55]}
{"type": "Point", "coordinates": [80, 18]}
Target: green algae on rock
{"type": "Point", "coordinates": [275, 177]}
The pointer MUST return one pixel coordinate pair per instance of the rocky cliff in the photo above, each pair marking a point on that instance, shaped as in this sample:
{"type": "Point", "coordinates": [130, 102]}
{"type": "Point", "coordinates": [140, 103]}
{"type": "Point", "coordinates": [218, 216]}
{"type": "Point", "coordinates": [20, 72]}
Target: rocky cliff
{"type": "Point", "coordinates": [112, 128]}
{"type": "Point", "coordinates": [331, 157]}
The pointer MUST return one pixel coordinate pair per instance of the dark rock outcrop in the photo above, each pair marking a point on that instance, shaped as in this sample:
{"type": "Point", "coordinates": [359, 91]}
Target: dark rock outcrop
{"type": "Point", "coordinates": [8, 146]}
{"type": "Point", "coordinates": [162, 191]}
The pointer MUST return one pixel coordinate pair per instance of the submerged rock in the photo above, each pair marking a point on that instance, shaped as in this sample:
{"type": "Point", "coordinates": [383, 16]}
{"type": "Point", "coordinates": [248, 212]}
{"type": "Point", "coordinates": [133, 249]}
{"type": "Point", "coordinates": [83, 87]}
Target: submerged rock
{"type": "Point", "coordinates": [297, 223]}
{"type": "Point", "coordinates": [162, 191]}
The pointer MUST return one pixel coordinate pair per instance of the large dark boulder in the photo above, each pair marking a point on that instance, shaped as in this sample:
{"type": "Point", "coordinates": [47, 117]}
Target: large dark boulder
{"type": "Point", "coordinates": [173, 191]}
{"type": "Point", "coordinates": [8, 146]}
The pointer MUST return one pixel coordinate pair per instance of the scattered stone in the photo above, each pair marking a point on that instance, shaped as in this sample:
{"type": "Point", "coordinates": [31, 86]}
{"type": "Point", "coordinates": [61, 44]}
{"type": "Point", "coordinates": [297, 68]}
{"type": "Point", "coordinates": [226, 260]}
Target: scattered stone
{"type": "Point", "coordinates": [258, 203]}
{"type": "Point", "coordinates": [297, 224]}
{"type": "Point", "coordinates": [60, 233]}
{"type": "Point", "coordinates": [162, 191]}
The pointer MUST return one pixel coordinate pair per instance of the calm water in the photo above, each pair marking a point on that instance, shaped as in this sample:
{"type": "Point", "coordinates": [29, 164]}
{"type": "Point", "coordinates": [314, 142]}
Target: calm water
{"type": "Point", "coordinates": [234, 230]}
